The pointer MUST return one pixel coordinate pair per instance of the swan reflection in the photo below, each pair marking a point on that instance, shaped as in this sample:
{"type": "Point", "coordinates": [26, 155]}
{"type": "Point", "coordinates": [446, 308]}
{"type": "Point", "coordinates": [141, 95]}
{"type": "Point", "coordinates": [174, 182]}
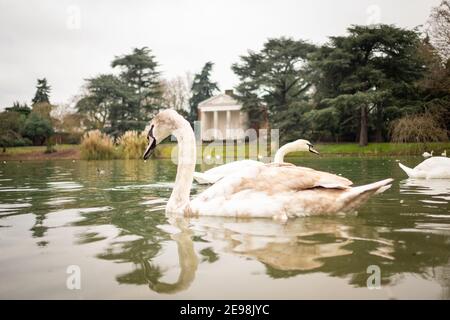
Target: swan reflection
{"type": "Point", "coordinates": [435, 188]}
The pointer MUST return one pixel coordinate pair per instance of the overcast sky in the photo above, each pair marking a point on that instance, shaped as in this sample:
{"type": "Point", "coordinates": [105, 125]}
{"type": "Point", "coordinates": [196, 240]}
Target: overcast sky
{"type": "Point", "coordinates": [69, 41]}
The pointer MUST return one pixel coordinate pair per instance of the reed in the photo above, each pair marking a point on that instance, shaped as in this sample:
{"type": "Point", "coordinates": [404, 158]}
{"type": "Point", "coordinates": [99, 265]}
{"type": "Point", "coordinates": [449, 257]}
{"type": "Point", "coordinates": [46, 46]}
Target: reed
{"type": "Point", "coordinates": [132, 144]}
{"type": "Point", "coordinates": [97, 146]}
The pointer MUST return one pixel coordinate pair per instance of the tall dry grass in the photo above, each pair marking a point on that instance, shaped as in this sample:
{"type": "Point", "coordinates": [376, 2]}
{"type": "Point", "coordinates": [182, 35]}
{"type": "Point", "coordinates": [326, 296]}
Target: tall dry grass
{"type": "Point", "coordinates": [132, 144]}
{"type": "Point", "coordinates": [97, 146]}
{"type": "Point", "coordinates": [418, 128]}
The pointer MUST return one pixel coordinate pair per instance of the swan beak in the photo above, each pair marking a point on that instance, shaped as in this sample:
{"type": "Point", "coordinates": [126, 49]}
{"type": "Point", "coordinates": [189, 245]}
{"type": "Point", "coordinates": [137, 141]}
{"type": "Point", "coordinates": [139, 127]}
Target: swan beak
{"type": "Point", "coordinates": [311, 149]}
{"type": "Point", "coordinates": [151, 146]}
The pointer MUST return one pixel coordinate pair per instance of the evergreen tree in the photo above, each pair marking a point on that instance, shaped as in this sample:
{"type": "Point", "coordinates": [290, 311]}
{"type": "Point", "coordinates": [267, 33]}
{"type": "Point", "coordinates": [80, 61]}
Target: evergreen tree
{"type": "Point", "coordinates": [140, 76]}
{"type": "Point", "coordinates": [22, 109]}
{"type": "Point", "coordinates": [202, 89]}
{"type": "Point", "coordinates": [42, 92]}
{"type": "Point", "coordinates": [104, 105]}
{"type": "Point", "coordinates": [274, 84]}
{"type": "Point", "coordinates": [370, 73]}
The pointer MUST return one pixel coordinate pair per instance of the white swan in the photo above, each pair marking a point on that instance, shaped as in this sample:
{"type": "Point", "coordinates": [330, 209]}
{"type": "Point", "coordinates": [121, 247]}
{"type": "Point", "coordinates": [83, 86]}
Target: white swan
{"type": "Point", "coordinates": [432, 168]}
{"type": "Point", "coordinates": [215, 174]}
{"type": "Point", "coordinates": [427, 154]}
{"type": "Point", "coordinates": [270, 190]}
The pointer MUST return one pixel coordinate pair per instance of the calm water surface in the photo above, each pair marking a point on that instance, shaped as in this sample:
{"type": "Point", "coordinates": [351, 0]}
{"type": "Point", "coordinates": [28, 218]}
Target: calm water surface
{"type": "Point", "coordinates": [112, 225]}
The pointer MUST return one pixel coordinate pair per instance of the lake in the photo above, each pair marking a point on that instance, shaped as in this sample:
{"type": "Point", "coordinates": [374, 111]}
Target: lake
{"type": "Point", "coordinates": [107, 219]}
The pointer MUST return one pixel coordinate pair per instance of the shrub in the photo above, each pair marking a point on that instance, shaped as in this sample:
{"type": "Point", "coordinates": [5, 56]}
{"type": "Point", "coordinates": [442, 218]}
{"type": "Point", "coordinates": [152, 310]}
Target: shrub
{"type": "Point", "coordinates": [96, 146]}
{"type": "Point", "coordinates": [132, 144]}
{"type": "Point", "coordinates": [37, 128]}
{"type": "Point", "coordinates": [418, 128]}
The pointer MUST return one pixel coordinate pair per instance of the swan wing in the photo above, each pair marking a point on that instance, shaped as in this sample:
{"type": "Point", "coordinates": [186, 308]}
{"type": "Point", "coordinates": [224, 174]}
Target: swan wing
{"type": "Point", "coordinates": [276, 178]}
{"type": "Point", "coordinates": [231, 167]}
{"type": "Point", "coordinates": [272, 179]}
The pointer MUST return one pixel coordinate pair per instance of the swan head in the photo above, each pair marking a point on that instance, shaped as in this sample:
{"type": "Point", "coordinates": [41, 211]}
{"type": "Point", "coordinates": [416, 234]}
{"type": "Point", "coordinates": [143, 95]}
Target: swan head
{"type": "Point", "coordinates": [303, 145]}
{"type": "Point", "coordinates": [160, 127]}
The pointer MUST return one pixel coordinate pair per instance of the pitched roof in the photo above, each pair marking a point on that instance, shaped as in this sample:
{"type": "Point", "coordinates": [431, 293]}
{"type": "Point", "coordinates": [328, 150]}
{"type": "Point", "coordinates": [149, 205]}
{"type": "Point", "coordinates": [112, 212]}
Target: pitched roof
{"type": "Point", "coordinates": [219, 100]}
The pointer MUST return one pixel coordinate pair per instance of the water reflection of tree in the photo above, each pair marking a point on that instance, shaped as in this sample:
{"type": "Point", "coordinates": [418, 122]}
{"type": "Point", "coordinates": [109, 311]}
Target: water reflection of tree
{"type": "Point", "coordinates": [339, 246]}
{"type": "Point", "coordinates": [30, 182]}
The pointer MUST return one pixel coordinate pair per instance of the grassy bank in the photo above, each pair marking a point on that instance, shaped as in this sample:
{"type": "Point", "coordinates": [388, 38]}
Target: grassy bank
{"type": "Point", "coordinates": [164, 151]}
{"type": "Point", "coordinates": [344, 149]}
{"type": "Point", "coordinates": [63, 151]}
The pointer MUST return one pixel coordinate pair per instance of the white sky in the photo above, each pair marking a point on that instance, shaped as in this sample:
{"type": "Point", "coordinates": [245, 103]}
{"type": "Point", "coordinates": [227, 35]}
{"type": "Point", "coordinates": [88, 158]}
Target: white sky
{"type": "Point", "coordinates": [67, 41]}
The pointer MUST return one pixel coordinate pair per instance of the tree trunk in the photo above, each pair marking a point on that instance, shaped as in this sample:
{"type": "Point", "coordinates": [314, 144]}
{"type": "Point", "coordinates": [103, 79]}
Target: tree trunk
{"type": "Point", "coordinates": [379, 124]}
{"type": "Point", "coordinates": [363, 140]}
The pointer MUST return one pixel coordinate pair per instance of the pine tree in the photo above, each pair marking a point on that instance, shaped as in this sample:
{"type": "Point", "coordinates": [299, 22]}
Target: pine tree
{"type": "Point", "coordinates": [42, 92]}
{"type": "Point", "coordinates": [140, 76]}
{"type": "Point", "coordinates": [367, 75]}
{"type": "Point", "coordinates": [202, 89]}
{"type": "Point", "coordinates": [274, 84]}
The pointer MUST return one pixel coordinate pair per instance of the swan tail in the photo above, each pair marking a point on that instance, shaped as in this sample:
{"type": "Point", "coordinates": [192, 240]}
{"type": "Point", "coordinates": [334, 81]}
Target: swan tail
{"type": "Point", "coordinates": [408, 171]}
{"type": "Point", "coordinates": [358, 195]}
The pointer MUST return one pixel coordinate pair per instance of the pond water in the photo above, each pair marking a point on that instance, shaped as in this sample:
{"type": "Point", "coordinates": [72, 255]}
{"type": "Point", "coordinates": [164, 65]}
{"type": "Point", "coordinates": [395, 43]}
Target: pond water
{"type": "Point", "coordinates": [107, 218]}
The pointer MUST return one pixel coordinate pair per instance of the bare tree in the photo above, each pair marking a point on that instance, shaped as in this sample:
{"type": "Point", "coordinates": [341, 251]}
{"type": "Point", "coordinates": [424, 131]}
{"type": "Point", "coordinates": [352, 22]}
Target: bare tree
{"type": "Point", "coordinates": [176, 92]}
{"type": "Point", "coordinates": [439, 27]}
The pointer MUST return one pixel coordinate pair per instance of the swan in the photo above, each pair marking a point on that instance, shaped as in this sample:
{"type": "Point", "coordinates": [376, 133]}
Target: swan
{"type": "Point", "coordinates": [427, 154]}
{"type": "Point", "coordinates": [432, 168]}
{"type": "Point", "coordinates": [278, 191]}
{"type": "Point", "coordinates": [444, 154]}
{"type": "Point", "coordinates": [215, 174]}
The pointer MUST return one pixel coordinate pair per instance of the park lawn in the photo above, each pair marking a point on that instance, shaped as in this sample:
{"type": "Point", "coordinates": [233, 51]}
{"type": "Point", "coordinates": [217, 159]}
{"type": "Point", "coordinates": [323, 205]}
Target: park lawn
{"type": "Point", "coordinates": [63, 151]}
{"type": "Point", "coordinates": [164, 151]}
{"type": "Point", "coordinates": [383, 149]}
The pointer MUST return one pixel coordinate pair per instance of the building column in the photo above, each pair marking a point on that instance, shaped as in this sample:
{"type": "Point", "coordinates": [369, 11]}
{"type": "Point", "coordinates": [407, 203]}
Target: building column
{"type": "Point", "coordinates": [202, 124]}
{"type": "Point", "coordinates": [228, 126]}
{"type": "Point", "coordinates": [216, 123]}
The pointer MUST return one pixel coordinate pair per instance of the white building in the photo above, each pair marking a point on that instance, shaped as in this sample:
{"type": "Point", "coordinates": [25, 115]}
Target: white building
{"type": "Point", "coordinates": [221, 118]}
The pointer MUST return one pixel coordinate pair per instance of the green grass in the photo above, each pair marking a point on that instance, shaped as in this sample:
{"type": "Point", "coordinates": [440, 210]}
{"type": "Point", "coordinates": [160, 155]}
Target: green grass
{"type": "Point", "coordinates": [164, 151]}
{"type": "Point", "coordinates": [384, 148]}
{"type": "Point", "coordinates": [31, 149]}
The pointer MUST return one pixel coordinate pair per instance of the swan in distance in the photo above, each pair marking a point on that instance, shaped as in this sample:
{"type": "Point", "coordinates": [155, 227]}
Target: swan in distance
{"type": "Point", "coordinates": [278, 191]}
{"type": "Point", "coordinates": [215, 174]}
{"type": "Point", "coordinates": [427, 154]}
{"type": "Point", "coordinates": [431, 168]}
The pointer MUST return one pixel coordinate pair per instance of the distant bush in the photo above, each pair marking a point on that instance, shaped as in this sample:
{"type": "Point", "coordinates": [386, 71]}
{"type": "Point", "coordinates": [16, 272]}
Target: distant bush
{"type": "Point", "coordinates": [37, 128]}
{"type": "Point", "coordinates": [97, 146]}
{"type": "Point", "coordinates": [132, 144]}
{"type": "Point", "coordinates": [418, 128]}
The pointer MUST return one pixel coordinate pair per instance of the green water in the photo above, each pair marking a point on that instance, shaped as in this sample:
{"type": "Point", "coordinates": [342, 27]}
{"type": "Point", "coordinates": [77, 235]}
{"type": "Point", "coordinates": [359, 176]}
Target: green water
{"type": "Point", "coordinates": [111, 224]}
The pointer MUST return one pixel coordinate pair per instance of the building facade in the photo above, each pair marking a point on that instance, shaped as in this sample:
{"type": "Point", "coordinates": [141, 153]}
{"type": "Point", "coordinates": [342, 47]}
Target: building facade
{"type": "Point", "coordinates": [221, 118]}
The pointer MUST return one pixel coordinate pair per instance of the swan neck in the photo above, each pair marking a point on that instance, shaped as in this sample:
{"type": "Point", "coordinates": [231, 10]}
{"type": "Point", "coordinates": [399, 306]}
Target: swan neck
{"type": "Point", "coordinates": [279, 155]}
{"type": "Point", "coordinates": [186, 157]}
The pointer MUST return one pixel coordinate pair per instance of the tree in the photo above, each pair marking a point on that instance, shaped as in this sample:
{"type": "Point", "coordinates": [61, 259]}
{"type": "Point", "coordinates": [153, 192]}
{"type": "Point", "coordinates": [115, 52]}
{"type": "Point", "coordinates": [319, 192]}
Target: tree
{"type": "Point", "coordinates": [434, 87]}
{"type": "Point", "coordinates": [37, 128]}
{"type": "Point", "coordinates": [202, 89]}
{"type": "Point", "coordinates": [139, 74]}
{"type": "Point", "coordinates": [103, 102]}
{"type": "Point", "coordinates": [42, 92]}
{"type": "Point", "coordinates": [370, 73]}
{"type": "Point", "coordinates": [23, 109]}
{"type": "Point", "coordinates": [274, 82]}
{"type": "Point", "coordinates": [176, 92]}
{"type": "Point", "coordinates": [439, 26]}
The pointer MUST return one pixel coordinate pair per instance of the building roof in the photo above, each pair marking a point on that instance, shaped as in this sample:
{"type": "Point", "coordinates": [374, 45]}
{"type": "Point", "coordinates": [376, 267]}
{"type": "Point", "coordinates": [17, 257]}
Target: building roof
{"type": "Point", "coordinates": [219, 100]}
